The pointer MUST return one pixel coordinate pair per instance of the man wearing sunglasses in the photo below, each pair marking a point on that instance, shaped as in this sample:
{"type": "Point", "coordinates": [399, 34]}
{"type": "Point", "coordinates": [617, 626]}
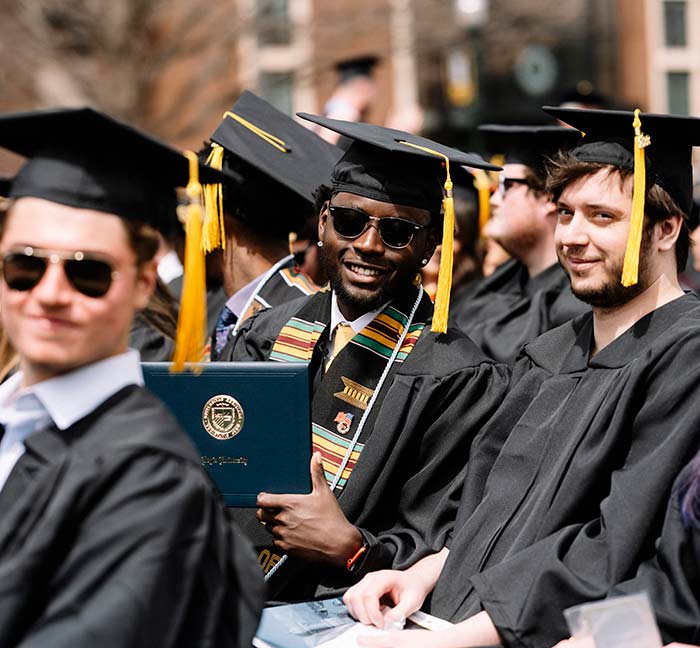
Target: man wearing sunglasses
{"type": "Point", "coordinates": [387, 390]}
{"type": "Point", "coordinates": [529, 294]}
{"type": "Point", "coordinates": [111, 533]}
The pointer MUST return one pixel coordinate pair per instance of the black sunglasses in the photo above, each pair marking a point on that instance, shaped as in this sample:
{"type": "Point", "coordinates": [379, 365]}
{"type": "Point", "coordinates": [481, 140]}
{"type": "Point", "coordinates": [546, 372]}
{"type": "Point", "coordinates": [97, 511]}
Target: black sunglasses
{"type": "Point", "coordinates": [506, 184]}
{"type": "Point", "coordinates": [89, 276]}
{"type": "Point", "coordinates": [395, 232]}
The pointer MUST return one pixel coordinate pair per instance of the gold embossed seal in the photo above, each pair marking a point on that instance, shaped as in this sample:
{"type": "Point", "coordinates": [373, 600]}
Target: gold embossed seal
{"type": "Point", "coordinates": [222, 417]}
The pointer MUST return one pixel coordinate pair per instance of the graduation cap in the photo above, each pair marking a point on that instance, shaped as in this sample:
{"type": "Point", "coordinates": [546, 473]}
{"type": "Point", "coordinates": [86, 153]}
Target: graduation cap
{"type": "Point", "coordinates": [280, 164]}
{"type": "Point", "coordinates": [85, 159]}
{"type": "Point", "coordinates": [392, 166]}
{"type": "Point", "coordinates": [657, 147]}
{"type": "Point", "coordinates": [528, 145]}
{"type": "Point", "coordinates": [356, 66]}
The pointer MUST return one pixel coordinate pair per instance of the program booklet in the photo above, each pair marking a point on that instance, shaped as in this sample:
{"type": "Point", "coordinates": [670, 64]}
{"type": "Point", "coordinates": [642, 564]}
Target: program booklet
{"type": "Point", "coordinates": [323, 624]}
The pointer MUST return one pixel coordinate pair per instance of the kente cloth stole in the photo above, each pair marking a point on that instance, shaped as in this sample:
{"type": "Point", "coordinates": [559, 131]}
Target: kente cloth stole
{"type": "Point", "coordinates": [283, 286]}
{"type": "Point", "coordinates": [343, 394]}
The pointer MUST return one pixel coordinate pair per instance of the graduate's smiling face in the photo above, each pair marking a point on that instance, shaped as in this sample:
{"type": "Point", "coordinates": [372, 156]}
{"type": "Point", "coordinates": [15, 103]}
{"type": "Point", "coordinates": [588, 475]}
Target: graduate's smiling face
{"type": "Point", "coordinates": [591, 238]}
{"type": "Point", "coordinates": [53, 326]}
{"type": "Point", "coordinates": [364, 271]}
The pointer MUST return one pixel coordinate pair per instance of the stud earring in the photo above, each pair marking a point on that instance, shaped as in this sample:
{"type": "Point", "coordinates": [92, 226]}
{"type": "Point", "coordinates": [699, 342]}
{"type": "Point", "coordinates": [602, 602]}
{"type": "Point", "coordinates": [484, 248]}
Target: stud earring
{"type": "Point", "coordinates": [319, 243]}
{"type": "Point", "coordinates": [424, 261]}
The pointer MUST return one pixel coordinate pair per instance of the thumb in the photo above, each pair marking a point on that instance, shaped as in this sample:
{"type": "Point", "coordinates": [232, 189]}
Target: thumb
{"type": "Point", "coordinates": [318, 476]}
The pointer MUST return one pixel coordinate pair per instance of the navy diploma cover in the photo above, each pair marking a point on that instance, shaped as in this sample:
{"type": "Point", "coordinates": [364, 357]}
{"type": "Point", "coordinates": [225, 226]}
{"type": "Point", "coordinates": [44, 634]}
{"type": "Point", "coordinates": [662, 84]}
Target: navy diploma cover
{"type": "Point", "coordinates": [250, 422]}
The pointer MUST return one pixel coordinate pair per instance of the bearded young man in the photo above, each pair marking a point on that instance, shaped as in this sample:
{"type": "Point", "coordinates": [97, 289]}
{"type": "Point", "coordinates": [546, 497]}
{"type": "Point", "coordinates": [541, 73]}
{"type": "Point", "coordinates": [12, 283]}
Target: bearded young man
{"type": "Point", "coordinates": [529, 294]}
{"type": "Point", "coordinates": [387, 391]}
{"type": "Point", "coordinates": [112, 535]}
{"type": "Point", "coordinates": [567, 485]}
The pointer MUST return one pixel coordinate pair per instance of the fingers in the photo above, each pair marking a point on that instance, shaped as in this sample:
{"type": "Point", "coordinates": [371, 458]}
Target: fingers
{"type": "Point", "coordinates": [318, 476]}
{"type": "Point", "coordinates": [363, 599]}
{"type": "Point", "coordinates": [274, 501]}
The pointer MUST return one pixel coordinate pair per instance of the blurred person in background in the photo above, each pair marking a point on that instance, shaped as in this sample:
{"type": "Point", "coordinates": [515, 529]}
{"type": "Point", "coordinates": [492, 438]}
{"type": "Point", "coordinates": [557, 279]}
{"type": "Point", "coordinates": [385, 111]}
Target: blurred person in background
{"type": "Point", "coordinates": [530, 294]}
{"type": "Point", "coordinates": [353, 96]}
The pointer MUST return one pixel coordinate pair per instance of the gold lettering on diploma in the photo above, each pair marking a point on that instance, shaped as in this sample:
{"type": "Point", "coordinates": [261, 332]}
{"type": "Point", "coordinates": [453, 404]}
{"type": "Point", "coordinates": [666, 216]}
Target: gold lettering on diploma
{"type": "Point", "coordinates": [223, 461]}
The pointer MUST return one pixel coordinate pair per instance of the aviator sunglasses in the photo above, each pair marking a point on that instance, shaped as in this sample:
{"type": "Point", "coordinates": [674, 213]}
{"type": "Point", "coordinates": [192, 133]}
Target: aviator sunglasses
{"type": "Point", "coordinates": [23, 270]}
{"type": "Point", "coordinates": [395, 232]}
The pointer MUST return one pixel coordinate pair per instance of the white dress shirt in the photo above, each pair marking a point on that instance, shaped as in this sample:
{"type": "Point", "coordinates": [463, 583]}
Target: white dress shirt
{"type": "Point", "coordinates": [63, 400]}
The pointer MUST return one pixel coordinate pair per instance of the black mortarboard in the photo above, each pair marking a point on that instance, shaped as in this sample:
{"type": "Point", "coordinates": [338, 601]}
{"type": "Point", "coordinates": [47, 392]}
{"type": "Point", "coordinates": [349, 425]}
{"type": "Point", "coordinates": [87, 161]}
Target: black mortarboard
{"type": "Point", "coordinates": [392, 166]}
{"type": "Point", "coordinates": [281, 164]}
{"type": "Point", "coordinates": [609, 139]}
{"type": "Point", "coordinates": [83, 158]}
{"type": "Point", "coordinates": [528, 145]}
{"type": "Point", "coordinates": [404, 169]}
{"type": "Point", "coordinates": [657, 148]}
{"type": "Point", "coordinates": [356, 66]}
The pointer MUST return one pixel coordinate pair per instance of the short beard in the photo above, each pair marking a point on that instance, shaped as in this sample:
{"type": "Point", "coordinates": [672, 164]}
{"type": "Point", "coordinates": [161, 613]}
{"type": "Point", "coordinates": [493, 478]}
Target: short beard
{"type": "Point", "coordinates": [612, 293]}
{"type": "Point", "coordinates": [365, 304]}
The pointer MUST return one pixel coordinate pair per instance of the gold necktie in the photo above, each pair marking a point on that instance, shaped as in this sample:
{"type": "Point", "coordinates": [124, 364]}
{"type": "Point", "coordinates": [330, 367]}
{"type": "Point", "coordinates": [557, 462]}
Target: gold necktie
{"type": "Point", "coordinates": [343, 335]}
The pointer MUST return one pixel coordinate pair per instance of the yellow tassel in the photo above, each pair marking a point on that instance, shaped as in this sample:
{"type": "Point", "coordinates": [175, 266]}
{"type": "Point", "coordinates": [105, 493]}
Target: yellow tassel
{"type": "Point", "coordinates": [191, 323]}
{"type": "Point", "coordinates": [213, 235]}
{"type": "Point", "coordinates": [292, 239]}
{"type": "Point", "coordinates": [444, 286]}
{"type": "Point", "coordinates": [271, 139]}
{"type": "Point", "coordinates": [630, 268]}
{"type": "Point", "coordinates": [482, 182]}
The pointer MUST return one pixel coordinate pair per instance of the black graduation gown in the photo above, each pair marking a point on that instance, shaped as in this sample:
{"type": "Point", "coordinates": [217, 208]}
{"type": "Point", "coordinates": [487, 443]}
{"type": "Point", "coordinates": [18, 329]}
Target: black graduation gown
{"type": "Point", "coordinates": [403, 492]}
{"type": "Point", "coordinates": [576, 497]}
{"type": "Point", "coordinates": [672, 579]}
{"type": "Point", "coordinates": [151, 344]}
{"type": "Point", "coordinates": [111, 535]}
{"type": "Point", "coordinates": [501, 323]}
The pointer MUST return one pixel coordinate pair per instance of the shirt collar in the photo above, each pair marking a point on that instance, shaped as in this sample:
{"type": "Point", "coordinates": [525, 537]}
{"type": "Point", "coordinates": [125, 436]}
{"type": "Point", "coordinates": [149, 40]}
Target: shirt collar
{"type": "Point", "coordinates": [236, 302]}
{"type": "Point", "coordinates": [70, 397]}
{"type": "Point", "coordinates": [356, 325]}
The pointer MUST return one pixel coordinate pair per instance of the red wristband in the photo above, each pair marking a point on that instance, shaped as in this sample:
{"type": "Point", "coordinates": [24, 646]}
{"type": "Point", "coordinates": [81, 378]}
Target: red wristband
{"type": "Point", "coordinates": [351, 561]}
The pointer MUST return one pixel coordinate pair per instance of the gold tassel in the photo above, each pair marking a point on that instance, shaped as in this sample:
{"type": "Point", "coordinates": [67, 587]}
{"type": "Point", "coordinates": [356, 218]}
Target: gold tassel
{"type": "Point", "coordinates": [213, 234]}
{"type": "Point", "coordinates": [291, 240]}
{"type": "Point", "coordinates": [630, 268]}
{"type": "Point", "coordinates": [191, 323]}
{"type": "Point", "coordinates": [444, 286]}
{"type": "Point", "coordinates": [482, 182]}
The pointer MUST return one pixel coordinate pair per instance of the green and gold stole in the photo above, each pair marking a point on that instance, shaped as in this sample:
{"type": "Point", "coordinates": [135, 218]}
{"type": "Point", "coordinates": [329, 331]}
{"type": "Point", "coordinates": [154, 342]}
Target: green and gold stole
{"type": "Point", "coordinates": [344, 393]}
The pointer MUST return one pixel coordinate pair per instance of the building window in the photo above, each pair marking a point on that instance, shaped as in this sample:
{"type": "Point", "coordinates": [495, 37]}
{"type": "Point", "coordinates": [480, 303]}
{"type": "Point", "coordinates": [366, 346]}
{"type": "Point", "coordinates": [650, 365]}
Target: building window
{"type": "Point", "coordinates": [675, 23]}
{"type": "Point", "coordinates": [274, 25]}
{"type": "Point", "coordinates": [278, 89]}
{"type": "Point", "coordinates": [677, 90]}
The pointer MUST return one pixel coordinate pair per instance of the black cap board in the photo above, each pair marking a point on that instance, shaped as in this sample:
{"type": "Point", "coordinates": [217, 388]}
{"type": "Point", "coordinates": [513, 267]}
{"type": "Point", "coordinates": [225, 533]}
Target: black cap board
{"type": "Point", "coordinates": [356, 66]}
{"type": "Point", "coordinates": [379, 165]}
{"type": "Point", "coordinates": [528, 145]}
{"type": "Point", "coordinates": [271, 151]}
{"type": "Point", "coordinates": [83, 158]}
{"type": "Point", "coordinates": [609, 139]}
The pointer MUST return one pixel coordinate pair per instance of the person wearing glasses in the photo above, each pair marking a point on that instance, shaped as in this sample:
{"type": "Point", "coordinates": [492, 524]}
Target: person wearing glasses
{"type": "Point", "coordinates": [111, 534]}
{"type": "Point", "coordinates": [258, 218]}
{"type": "Point", "coordinates": [529, 294]}
{"type": "Point", "coordinates": [567, 485]}
{"type": "Point", "coordinates": [388, 391]}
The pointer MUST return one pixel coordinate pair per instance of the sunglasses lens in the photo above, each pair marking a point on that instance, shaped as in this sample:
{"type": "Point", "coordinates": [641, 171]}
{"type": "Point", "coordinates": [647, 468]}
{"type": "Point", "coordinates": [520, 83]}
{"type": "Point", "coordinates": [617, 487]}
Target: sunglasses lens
{"type": "Point", "coordinates": [22, 272]}
{"type": "Point", "coordinates": [349, 222]}
{"type": "Point", "coordinates": [395, 232]}
{"type": "Point", "coordinates": [89, 276]}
